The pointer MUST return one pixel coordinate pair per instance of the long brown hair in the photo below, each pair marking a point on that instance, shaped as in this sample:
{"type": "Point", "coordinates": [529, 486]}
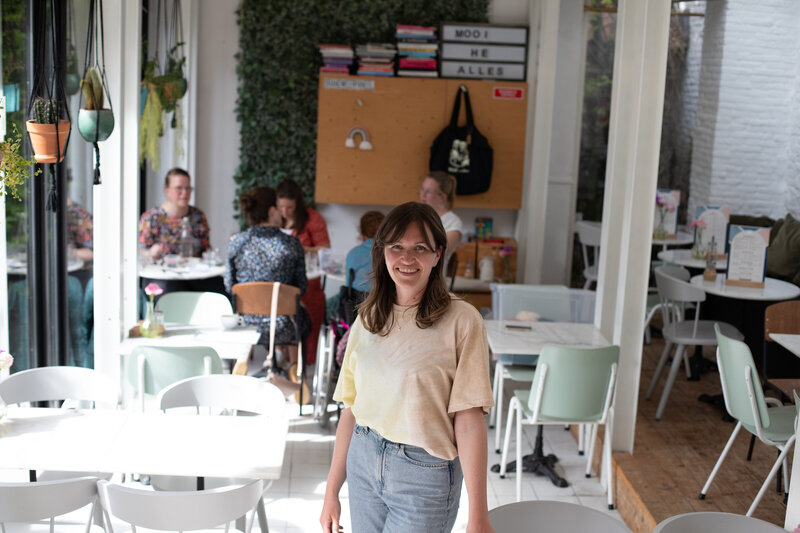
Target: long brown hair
{"type": "Point", "coordinates": [289, 189]}
{"type": "Point", "coordinates": [376, 310]}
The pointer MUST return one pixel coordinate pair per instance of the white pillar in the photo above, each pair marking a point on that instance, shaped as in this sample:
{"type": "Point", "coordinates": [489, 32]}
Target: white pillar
{"type": "Point", "coordinates": [637, 100]}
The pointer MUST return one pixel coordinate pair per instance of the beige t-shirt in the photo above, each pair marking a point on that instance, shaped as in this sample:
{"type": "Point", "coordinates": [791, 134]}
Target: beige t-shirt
{"type": "Point", "coordinates": [408, 385]}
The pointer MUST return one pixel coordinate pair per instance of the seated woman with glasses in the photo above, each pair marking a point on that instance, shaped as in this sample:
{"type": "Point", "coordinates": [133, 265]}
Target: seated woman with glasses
{"type": "Point", "coordinates": [160, 227]}
{"type": "Point", "coordinates": [438, 191]}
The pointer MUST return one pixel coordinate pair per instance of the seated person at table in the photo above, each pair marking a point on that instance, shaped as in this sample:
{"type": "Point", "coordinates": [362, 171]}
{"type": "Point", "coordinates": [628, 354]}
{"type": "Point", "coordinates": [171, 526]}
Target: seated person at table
{"type": "Point", "coordinates": [264, 253]}
{"type": "Point", "coordinates": [438, 190]}
{"type": "Point", "coordinates": [79, 231]}
{"type": "Point", "coordinates": [359, 258]}
{"type": "Point", "coordinates": [160, 227]}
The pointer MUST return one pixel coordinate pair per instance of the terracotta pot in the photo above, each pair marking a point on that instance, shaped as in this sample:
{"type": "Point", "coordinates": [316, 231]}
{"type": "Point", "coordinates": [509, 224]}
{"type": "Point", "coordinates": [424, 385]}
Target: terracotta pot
{"type": "Point", "coordinates": [43, 140]}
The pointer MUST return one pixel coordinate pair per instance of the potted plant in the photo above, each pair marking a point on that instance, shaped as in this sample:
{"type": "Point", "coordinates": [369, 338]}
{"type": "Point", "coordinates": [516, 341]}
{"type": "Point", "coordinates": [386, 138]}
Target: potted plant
{"type": "Point", "coordinates": [163, 92]}
{"type": "Point", "coordinates": [47, 131]}
{"type": "Point", "coordinates": [14, 167]}
{"type": "Point", "coordinates": [95, 122]}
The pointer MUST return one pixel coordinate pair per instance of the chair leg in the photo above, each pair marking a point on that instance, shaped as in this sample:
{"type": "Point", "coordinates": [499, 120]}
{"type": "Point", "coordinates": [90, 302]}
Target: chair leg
{"type": "Point", "coordinates": [607, 467]}
{"type": "Point", "coordinates": [581, 438]}
{"type": "Point", "coordinates": [722, 456]}
{"type": "Point", "coordinates": [499, 405]}
{"type": "Point", "coordinates": [498, 372]}
{"type": "Point", "coordinates": [512, 406]}
{"type": "Point", "coordinates": [673, 372]}
{"type": "Point", "coordinates": [778, 463]}
{"type": "Point", "coordinates": [262, 516]}
{"type": "Point", "coordinates": [592, 437]}
{"type": "Point", "coordinates": [686, 365]}
{"type": "Point", "coordinates": [750, 448]}
{"type": "Point", "coordinates": [519, 453]}
{"type": "Point", "coordinates": [659, 368]}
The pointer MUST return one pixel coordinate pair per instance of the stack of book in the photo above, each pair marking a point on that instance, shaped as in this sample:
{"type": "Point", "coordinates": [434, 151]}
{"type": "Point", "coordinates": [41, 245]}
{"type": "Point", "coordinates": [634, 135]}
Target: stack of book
{"type": "Point", "coordinates": [336, 58]}
{"type": "Point", "coordinates": [376, 59]}
{"type": "Point", "coordinates": [418, 51]}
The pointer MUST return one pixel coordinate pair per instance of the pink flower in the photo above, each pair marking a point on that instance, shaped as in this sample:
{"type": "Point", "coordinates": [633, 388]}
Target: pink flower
{"type": "Point", "coordinates": [153, 289]}
{"type": "Point", "coordinates": [506, 250]}
{"type": "Point", "coordinates": [699, 223]}
{"type": "Point", "coordinates": [6, 360]}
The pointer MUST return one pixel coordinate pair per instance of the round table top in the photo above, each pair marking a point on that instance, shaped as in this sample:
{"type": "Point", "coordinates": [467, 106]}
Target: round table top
{"type": "Point", "coordinates": [774, 289]}
{"type": "Point", "coordinates": [196, 270]}
{"type": "Point", "coordinates": [681, 239]}
{"type": "Point", "coordinates": [20, 268]}
{"type": "Point", "coordinates": [683, 257]}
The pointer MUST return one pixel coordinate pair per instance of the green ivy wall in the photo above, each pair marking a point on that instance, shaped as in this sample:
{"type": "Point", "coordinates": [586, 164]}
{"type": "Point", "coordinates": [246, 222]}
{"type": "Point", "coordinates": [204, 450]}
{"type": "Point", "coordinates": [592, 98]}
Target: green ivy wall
{"type": "Point", "coordinates": [278, 71]}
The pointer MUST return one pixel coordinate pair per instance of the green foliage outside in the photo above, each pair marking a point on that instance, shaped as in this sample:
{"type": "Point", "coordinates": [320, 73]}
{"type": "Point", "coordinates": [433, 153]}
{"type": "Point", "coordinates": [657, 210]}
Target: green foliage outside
{"type": "Point", "coordinates": [278, 71]}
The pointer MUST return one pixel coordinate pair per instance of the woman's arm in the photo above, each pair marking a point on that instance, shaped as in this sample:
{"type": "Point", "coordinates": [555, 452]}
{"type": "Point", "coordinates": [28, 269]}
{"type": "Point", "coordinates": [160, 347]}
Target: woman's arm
{"type": "Point", "coordinates": [470, 431]}
{"type": "Point", "coordinates": [331, 508]}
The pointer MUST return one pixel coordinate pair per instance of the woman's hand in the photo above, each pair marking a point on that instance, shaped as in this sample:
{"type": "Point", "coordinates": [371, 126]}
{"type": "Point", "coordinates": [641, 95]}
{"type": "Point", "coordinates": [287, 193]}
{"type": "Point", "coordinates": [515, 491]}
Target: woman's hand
{"type": "Point", "coordinates": [155, 251]}
{"type": "Point", "coordinates": [481, 525]}
{"type": "Point", "coordinates": [331, 511]}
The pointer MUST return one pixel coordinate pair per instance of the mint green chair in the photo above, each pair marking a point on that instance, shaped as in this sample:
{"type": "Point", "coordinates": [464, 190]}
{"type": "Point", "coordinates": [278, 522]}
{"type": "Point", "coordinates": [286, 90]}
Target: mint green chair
{"type": "Point", "coordinates": [195, 308]}
{"type": "Point", "coordinates": [745, 401]}
{"type": "Point", "coordinates": [152, 368]}
{"type": "Point", "coordinates": [715, 523]}
{"type": "Point", "coordinates": [543, 515]}
{"type": "Point", "coordinates": [570, 386]}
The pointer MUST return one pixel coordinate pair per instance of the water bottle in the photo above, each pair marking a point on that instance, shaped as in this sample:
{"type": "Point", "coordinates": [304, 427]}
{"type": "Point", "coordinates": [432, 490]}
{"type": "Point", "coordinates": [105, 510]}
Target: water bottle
{"type": "Point", "coordinates": [186, 244]}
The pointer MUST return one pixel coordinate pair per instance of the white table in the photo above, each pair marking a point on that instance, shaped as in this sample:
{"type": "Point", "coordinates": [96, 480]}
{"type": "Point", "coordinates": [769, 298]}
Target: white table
{"type": "Point", "coordinates": [154, 443]}
{"type": "Point", "coordinates": [774, 289]}
{"type": "Point", "coordinates": [683, 257]}
{"type": "Point", "coordinates": [682, 238]}
{"type": "Point", "coordinates": [518, 340]}
{"type": "Point", "coordinates": [195, 270]}
{"type": "Point", "coordinates": [232, 343]}
{"type": "Point", "coordinates": [789, 341]}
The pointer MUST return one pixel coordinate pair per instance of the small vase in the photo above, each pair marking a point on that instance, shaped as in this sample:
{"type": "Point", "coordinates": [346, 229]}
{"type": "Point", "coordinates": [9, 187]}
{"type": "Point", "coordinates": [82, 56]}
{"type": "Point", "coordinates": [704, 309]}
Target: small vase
{"type": "Point", "coordinates": [149, 327]}
{"type": "Point", "coordinates": [660, 233]}
{"type": "Point", "coordinates": [507, 277]}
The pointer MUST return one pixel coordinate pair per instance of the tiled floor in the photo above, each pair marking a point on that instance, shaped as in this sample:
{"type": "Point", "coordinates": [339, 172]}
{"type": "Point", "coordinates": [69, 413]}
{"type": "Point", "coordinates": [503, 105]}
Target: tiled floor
{"type": "Point", "coordinates": [294, 502]}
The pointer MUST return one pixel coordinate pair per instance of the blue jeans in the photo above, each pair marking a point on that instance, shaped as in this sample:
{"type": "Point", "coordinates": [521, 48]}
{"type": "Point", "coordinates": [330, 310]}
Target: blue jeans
{"type": "Point", "coordinates": [396, 487]}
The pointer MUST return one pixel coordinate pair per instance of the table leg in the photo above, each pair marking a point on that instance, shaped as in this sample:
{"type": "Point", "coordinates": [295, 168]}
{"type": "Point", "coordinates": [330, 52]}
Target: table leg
{"type": "Point", "coordinates": [538, 463]}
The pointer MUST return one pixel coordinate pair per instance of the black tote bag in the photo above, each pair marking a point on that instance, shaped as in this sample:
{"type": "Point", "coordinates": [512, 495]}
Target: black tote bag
{"type": "Point", "coordinates": [463, 152]}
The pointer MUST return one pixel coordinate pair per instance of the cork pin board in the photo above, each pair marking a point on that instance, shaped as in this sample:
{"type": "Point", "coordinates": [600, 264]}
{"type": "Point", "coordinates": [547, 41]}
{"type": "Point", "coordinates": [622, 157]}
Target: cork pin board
{"type": "Point", "coordinates": [402, 117]}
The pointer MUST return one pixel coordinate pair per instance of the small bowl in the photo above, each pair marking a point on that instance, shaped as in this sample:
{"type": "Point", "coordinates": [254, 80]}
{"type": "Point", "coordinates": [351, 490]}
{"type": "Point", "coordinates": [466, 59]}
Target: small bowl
{"type": "Point", "coordinates": [172, 260]}
{"type": "Point", "coordinates": [230, 321]}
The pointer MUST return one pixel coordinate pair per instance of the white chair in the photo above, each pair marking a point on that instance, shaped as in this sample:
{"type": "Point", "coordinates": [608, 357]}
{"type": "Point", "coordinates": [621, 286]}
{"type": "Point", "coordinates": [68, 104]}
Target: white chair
{"type": "Point", "coordinates": [774, 424]}
{"type": "Point", "coordinates": [152, 368]}
{"type": "Point", "coordinates": [178, 511]}
{"type": "Point", "coordinates": [71, 385]}
{"type": "Point", "coordinates": [223, 393]}
{"type": "Point", "coordinates": [26, 506]}
{"type": "Point", "coordinates": [323, 379]}
{"type": "Point", "coordinates": [715, 523]}
{"type": "Point", "coordinates": [195, 308]}
{"type": "Point", "coordinates": [676, 294]}
{"type": "Point", "coordinates": [60, 383]}
{"type": "Point", "coordinates": [543, 515]}
{"type": "Point", "coordinates": [570, 386]}
{"type": "Point", "coordinates": [556, 303]}
{"type": "Point", "coordinates": [589, 236]}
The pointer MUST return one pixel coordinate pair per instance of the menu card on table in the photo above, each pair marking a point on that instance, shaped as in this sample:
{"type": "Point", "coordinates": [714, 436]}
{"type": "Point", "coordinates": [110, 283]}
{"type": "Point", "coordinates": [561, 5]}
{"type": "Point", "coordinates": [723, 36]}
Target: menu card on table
{"type": "Point", "coordinates": [747, 256]}
{"type": "Point", "coordinates": [711, 221]}
{"type": "Point", "coordinates": [665, 222]}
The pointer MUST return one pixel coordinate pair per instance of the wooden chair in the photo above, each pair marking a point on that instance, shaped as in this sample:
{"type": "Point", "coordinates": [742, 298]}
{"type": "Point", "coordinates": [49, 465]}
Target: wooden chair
{"type": "Point", "coordinates": [271, 299]}
{"type": "Point", "coordinates": [782, 317]}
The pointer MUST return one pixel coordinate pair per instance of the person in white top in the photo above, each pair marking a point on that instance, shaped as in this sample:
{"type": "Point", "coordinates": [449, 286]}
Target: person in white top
{"type": "Point", "coordinates": [438, 190]}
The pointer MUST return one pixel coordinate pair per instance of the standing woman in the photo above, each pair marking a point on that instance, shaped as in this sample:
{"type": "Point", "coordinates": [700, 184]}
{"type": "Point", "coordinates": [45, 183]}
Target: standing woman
{"type": "Point", "coordinates": [438, 191]}
{"type": "Point", "coordinates": [307, 225]}
{"type": "Point", "coordinates": [415, 385]}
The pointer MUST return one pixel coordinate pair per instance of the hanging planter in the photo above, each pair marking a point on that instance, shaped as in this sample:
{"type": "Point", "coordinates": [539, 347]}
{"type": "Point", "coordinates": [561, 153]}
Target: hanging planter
{"type": "Point", "coordinates": [48, 134]}
{"type": "Point", "coordinates": [95, 122]}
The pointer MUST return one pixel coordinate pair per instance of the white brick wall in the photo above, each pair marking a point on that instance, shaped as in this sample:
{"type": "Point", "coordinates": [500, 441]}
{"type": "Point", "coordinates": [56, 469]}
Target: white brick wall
{"type": "Point", "coordinates": [747, 139]}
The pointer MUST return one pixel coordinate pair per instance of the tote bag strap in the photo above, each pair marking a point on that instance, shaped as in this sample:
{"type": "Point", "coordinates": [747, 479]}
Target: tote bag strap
{"type": "Point", "coordinates": [457, 110]}
{"type": "Point", "coordinates": [457, 106]}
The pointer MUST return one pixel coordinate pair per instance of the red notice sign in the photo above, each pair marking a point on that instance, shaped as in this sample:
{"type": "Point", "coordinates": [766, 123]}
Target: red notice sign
{"type": "Point", "coordinates": [507, 93]}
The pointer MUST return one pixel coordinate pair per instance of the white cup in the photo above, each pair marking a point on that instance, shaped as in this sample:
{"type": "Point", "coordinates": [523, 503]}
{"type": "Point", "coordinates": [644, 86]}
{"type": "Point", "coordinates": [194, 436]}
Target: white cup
{"type": "Point", "coordinates": [230, 321]}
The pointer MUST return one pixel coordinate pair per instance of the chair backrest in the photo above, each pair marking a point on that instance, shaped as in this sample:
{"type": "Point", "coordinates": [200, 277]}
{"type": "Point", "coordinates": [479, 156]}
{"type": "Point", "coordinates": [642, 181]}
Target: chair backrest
{"type": "Point", "coordinates": [543, 515]}
{"type": "Point", "coordinates": [574, 384]}
{"type": "Point", "coordinates": [782, 317]}
{"type": "Point", "coordinates": [56, 383]}
{"type": "Point", "coordinates": [255, 298]}
{"type": "Point", "coordinates": [741, 386]}
{"type": "Point", "coordinates": [151, 368]}
{"type": "Point", "coordinates": [673, 286]}
{"type": "Point", "coordinates": [589, 234]}
{"type": "Point", "coordinates": [179, 510]}
{"type": "Point", "coordinates": [224, 391]}
{"type": "Point", "coordinates": [710, 522]}
{"type": "Point", "coordinates": [452, 270]}
{"type": "Point", "coordinates": [32, 502]}
{"type": "Point", "coordinates": [196, 308]}
{"type": "Point", "coordinates": [551, 302]}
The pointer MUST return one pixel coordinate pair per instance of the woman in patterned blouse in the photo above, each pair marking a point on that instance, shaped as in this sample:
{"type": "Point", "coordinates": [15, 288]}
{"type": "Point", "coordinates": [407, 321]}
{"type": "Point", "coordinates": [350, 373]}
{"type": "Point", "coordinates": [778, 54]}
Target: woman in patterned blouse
{"type": "Point", "coordinates": [265, 253]}
{"type": "Point", "coordinates": [307, 225]}
{"type": "Point", "coordinates": [160, 227]}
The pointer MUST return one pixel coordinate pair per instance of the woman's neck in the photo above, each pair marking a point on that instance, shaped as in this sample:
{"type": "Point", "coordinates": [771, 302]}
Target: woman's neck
{"type": "Point", "coordinates": [406, 299]}
{"type": "Point", "coordinates": [441, 210]}
{"type": "Point", "coordinates": [174, 210]}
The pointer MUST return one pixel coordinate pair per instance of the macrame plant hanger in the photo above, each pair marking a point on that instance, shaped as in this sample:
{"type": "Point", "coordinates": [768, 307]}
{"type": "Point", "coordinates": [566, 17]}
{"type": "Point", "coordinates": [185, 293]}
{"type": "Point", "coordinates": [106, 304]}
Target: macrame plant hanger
{"type": "Point", "coordinates": [50, 87]}
{"type": "Point", "coordinates": [95, 57]}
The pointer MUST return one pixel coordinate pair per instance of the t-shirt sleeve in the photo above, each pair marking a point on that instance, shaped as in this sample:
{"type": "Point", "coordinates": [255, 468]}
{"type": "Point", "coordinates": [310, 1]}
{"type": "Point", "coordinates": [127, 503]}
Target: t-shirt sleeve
{"type": "Point", "coordinates": [471, 384]}
{"type": "Point", "coordinates": [318, 229]}
{"type": "Point", "coordinates": [346, 387]}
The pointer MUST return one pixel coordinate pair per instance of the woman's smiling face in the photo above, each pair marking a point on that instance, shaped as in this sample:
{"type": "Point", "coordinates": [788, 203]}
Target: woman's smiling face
{"type": "Point", "coordinates": [410, 261]}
